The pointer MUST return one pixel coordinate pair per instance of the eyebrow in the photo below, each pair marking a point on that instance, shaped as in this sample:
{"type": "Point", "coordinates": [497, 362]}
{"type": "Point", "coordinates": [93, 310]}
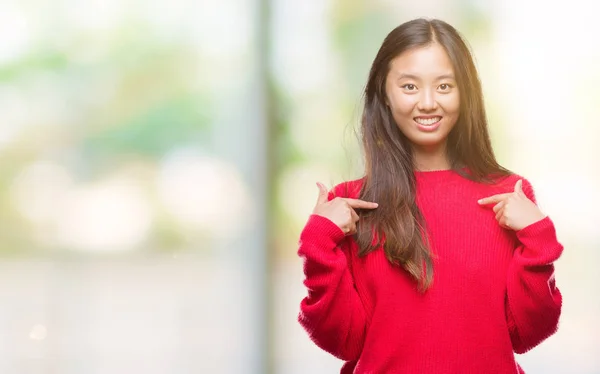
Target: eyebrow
{"type": "Point", "coordinates": [414, 77]}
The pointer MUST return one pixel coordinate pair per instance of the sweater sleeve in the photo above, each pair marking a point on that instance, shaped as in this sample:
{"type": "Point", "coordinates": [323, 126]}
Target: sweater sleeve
{"type": "Point", "coordinates": [533, 302]}
{"type": "Point", "coordinates": [332, 312]}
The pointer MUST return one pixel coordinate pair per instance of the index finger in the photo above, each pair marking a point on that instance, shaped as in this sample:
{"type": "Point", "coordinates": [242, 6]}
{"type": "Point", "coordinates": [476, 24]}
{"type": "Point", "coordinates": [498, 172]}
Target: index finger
{"type": "Point", "coordinates": [360, 204]}
{"type": "Point", "coordinates": [494, 199]}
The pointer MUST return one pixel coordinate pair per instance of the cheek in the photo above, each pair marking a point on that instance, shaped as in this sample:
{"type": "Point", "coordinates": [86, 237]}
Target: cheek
{"type": "Point", "coordinates": [451, 104]}
{"type": "Point", "coordinates": [401, 105]}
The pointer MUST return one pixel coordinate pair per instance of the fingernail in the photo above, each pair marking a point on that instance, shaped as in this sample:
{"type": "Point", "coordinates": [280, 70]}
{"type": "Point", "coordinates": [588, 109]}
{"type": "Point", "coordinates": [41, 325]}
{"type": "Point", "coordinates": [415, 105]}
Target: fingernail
{"type": "Point", "coordinates": [376, 204]}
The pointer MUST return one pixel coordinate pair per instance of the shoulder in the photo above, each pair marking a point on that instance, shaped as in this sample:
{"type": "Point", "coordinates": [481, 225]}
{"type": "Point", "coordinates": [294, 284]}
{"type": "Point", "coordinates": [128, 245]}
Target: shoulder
{"type": "Point", "coordinates": [350, 189]}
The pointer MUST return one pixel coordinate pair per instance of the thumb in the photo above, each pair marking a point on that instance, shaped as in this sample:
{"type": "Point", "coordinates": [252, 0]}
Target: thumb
{"type": "Point", "coordinates": [322, 199]}
{"type": "Point", "coordinates": [519, 186]}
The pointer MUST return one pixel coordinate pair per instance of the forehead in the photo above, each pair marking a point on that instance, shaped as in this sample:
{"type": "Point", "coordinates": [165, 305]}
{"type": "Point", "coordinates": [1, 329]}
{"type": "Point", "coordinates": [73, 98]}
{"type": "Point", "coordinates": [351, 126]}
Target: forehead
{"type": "Point", "coordinates": [430, 60]}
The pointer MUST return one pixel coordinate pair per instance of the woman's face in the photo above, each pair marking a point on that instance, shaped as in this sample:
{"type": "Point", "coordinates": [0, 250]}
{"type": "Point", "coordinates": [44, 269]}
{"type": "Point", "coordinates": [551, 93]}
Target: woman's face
{"type": "Point", "coordinates": [423, 96]}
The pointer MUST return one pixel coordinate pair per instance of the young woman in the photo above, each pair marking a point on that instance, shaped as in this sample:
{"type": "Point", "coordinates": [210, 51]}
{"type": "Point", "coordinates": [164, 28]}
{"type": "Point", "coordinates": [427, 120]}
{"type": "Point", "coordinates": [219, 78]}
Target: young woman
{"type": "Point", "coordinates": [438, 260]}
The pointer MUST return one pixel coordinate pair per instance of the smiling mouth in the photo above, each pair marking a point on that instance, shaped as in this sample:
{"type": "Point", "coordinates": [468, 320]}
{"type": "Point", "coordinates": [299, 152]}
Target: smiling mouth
{"type": "Point", "coordinates": [427, 121]}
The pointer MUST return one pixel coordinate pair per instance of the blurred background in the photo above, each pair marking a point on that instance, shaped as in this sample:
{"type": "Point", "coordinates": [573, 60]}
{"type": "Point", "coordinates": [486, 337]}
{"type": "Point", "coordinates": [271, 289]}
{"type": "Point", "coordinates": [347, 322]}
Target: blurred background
{"type": "Point", "coordinates": [158, 160]}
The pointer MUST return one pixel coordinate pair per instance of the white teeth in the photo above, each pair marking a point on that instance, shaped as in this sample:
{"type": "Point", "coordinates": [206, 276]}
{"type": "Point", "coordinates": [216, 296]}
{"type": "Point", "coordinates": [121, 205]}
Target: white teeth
{"type": "Point", "coordinates": [429, 121]}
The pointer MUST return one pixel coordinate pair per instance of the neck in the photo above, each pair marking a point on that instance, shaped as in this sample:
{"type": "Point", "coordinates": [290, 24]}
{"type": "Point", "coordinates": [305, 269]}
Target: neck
{"type": "Point", "coordinates": [431, 158]}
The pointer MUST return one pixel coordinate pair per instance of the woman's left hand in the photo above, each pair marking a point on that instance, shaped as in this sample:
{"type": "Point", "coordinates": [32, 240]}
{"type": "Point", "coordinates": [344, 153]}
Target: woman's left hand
{"type": "Point", "coordinates": [514, 210]}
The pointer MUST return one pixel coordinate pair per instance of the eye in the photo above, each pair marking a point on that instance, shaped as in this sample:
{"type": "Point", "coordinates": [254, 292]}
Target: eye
{"type": "Point", "coordinates": [445, 87]}
{"type": "Point", "coordinates": [409, 87]}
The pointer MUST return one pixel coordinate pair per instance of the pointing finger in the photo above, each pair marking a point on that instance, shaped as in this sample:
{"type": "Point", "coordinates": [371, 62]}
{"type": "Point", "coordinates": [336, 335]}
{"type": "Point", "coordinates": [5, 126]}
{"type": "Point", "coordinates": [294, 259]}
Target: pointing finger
{"type": "Point", "coordinates": [360, 204]}
{"type": "Point", "coordinates": [493, 199]}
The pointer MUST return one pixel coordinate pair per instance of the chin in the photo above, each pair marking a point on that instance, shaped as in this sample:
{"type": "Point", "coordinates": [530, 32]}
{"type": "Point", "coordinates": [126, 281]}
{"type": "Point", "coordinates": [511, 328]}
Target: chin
{"type": "Point", "coordinates": [429, 141]}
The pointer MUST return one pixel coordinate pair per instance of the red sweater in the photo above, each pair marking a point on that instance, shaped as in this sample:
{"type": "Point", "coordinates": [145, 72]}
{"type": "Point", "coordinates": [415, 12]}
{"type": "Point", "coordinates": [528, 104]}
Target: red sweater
{"type": "Point", "coordinates": [493, 292]}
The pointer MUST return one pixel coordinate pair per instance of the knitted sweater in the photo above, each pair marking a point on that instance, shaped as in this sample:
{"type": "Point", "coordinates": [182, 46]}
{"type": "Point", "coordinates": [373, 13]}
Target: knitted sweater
{"type": "Point", "coordinates": [493, 292]}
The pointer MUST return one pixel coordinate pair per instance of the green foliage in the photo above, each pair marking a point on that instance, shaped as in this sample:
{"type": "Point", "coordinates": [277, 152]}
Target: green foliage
{"type": "Point", "coordinates": [155, 130]}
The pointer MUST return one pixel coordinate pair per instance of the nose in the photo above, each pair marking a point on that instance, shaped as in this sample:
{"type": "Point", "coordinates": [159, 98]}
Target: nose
{"type": "Point", "coordinates": [427, 101]}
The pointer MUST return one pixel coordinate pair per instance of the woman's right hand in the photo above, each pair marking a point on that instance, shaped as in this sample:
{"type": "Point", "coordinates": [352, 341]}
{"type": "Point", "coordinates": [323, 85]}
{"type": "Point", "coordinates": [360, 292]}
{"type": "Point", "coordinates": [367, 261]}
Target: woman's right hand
{"type": "Point", "coordinates": [340, 210]}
